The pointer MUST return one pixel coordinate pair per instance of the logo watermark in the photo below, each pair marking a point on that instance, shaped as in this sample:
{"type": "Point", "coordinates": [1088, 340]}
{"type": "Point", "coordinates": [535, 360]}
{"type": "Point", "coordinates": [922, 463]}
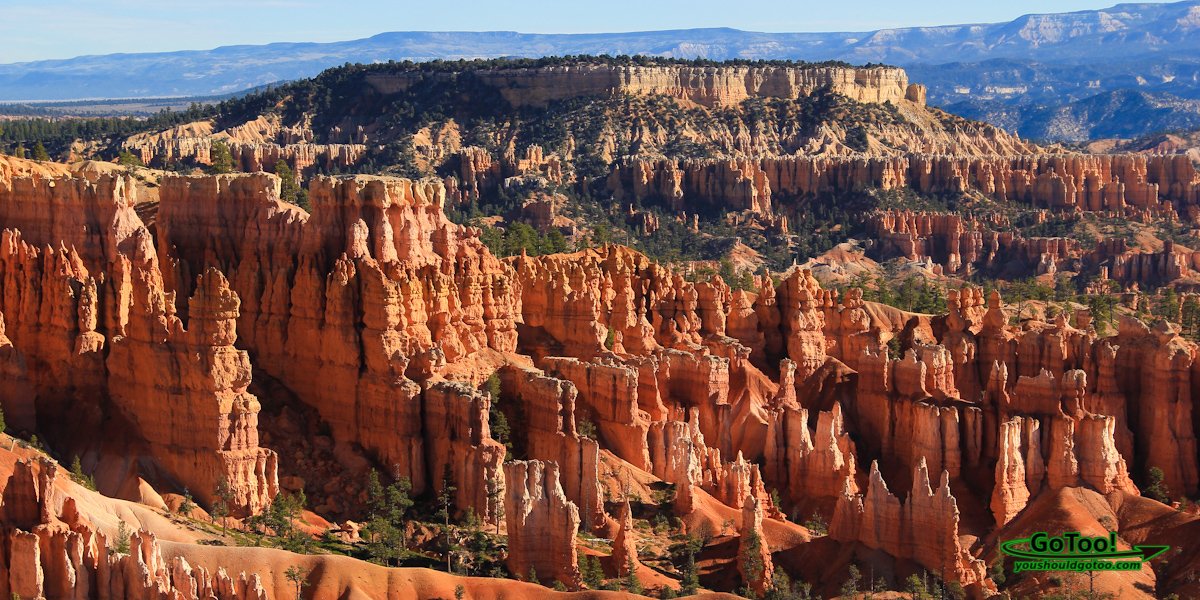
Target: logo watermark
{"type": "Point", "coordinates": [1073, 551]}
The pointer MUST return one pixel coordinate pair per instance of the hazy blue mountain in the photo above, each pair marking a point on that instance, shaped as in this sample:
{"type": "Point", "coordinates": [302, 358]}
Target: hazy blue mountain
{"type": "Point", "coordinates": [1021, 81]}
{"type": "Point", "coordinates": [1120, 113]}
{"type": "Point", "coordinates": [1142, 38]}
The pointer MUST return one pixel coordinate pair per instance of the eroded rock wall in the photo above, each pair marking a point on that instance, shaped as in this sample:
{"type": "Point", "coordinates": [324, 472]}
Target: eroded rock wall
{"type": "Point", "coordinates": [1123, 184]}
{"type": "Point", "coordinates": [542, 524]}
{"type": "Point", "coordinates": [354, 304]}
{"type": "Point", "coordinates": [85, 287]}
{"type": "Point", "coordinates": [706, 86]}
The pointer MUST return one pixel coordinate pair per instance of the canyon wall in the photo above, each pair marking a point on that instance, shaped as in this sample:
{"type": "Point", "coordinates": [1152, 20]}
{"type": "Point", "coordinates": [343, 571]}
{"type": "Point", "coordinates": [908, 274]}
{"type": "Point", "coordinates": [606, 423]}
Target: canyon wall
{"type": "Point", "coordinates": [254, 146]}
{"type": "Point", "coordinates": [959, 245]}
{"type": "Point", "coordinates": [1123, 184]}
{"type": "Point", "coordinates": [1128, 186]}
{"type": "Point", "coordinates": [705, 86]}
{"type": "Point", "coordinates": [924, 529]}
{"type": "Point", "coordinates": [83, 285]}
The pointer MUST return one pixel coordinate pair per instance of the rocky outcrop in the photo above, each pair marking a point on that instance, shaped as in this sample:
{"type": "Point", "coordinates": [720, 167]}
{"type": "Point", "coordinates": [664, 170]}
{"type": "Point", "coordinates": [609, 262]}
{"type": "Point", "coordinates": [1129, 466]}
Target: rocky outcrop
{"type": "Point", "coordinates": [670, 331]}
{"type": "Point", "coordinates": [1011, 493]}
{"type": "Point", "coordinates": [960, 245]}
{"type": "Point", "coordinates": [76, 563]}
{"type": "Point", "coordinates": [624, 548]}
{"type": "Point", "coordinates": [808, 463]}
{"type": "Point", "coordinates": [800, 301]}
{"type": "Point", "coordinates": [254, 146]}
{"type": "Point", "coordinates": [479, 171]}
{"type": "Point", "coordinates": [679, 456]}
{"type": "Point", "coordinates": [1156, 367]}
{"type": "Point", "coordinates": [608, 398]}
{"type": "Point", "coordinates": [924, 529]}
{"type": "Point", "coordinates": [910, 408]}
{"type": "Point", "coordinates": [754, 555]}
{"type": "Point", "coordinates": [545, 410]}
{"type": "Point", "coordinates": [542, 524]}
{"type": "Point", "coordinates": [1075, 453]}
{"type": "Point", "coordinates": [956, 244]}
{"type": "Point", "coordinates": [200, 374]}
{"type": "Point", "coordinates": [458, 437]}
{"type": "Point", "coordinates": [385, 318]}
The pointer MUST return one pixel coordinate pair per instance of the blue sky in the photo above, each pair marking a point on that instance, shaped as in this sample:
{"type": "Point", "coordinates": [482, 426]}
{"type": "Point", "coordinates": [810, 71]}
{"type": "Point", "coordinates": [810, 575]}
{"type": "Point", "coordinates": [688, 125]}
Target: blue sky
{"type": "Point", "coordinates": [64, 29]}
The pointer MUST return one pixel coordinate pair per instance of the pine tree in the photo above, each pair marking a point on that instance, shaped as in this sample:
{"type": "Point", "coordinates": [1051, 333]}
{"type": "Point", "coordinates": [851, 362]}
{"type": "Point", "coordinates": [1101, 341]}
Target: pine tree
{"type": "Point", "coordinates": [221, 159]}
{"type": "Point", "coordinates": [850, 587]}
{"type": "Point", "coordinates": [690, 583]}
{"type": "Point", "coordinates": [39, 152]}
{"type": "Point", "coordinates": [501, 430]}
{"type": "Point", "coordinates": [188, 505]}
{"type": "Point", "coordinates": [1190, 318]}
{"type": "Point", "coordinates": [593, 573]}
{"type": "Point", "coordinates": [555, 242]}
{"type": "Point", "coordinates": [493, 499]}
{"type": "Point", "coordinates": [1156, 488]}
{"type": "Point", "coordinates": [78, 477]}
{"type": "Point", "coordinates": [446, 497]}
{"type": "Point", "coordinates": [752, 562]}
{"type": "Point", "coordinates": [1168, 306]}
{"type": "Point", "coordinates": [289, 189]}
{"type": "Point", "coordinates": [398, 504]}
{"type": "Point", "coordinates": [492, 386]}
{"type": "Point", "coordinates": [376, 502]}
{"type": "Point", "coordinates": [220, 508]}
{"type": "Point", "coordinates": [916, 587]}
{"type": "Point", "coordinates": [633, 584]}
{"type": "Point", "coordinates": [299, 577]}
{"type": "Point", "coordinates": [122, 546]}
{"type": "Point", "coordinates": [128, 159]}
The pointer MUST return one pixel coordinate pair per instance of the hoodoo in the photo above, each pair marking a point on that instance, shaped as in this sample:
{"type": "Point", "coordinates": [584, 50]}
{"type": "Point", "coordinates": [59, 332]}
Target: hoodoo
{"type": "Point", "coordinates": [612, 324]}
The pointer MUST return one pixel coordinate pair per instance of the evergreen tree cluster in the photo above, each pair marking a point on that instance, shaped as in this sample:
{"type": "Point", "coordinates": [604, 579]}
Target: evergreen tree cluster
{"type": "Point", "coordinates": [385, 531]}
{"type": "Point", "coordinates": [57, 134]}
{"type": "Point", "coordinates": [518, 237]}
{"type": "Point", "coordinates": [913, 294]}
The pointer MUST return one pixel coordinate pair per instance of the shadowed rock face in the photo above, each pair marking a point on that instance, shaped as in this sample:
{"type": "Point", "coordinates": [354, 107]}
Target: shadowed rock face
{"type": "Point", "coordinates": [386, 318]}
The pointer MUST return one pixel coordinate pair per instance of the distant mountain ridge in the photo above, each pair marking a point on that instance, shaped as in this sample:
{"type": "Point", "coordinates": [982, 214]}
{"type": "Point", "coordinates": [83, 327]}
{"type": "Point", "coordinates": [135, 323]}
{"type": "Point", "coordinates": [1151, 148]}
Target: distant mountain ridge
{"type": "Point", "coordinates": [1117, 114]}
{"type": "Point", "coordinates": [1124, 33]}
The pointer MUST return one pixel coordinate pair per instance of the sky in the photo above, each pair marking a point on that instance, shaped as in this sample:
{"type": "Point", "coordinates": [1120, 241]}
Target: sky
{"type": "Point", "coordinates": [50, 29]}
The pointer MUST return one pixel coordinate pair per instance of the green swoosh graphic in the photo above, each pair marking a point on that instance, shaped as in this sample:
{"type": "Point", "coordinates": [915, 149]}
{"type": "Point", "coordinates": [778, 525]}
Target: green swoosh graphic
{"type": "Point", "coordinates": [1141, 552]}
